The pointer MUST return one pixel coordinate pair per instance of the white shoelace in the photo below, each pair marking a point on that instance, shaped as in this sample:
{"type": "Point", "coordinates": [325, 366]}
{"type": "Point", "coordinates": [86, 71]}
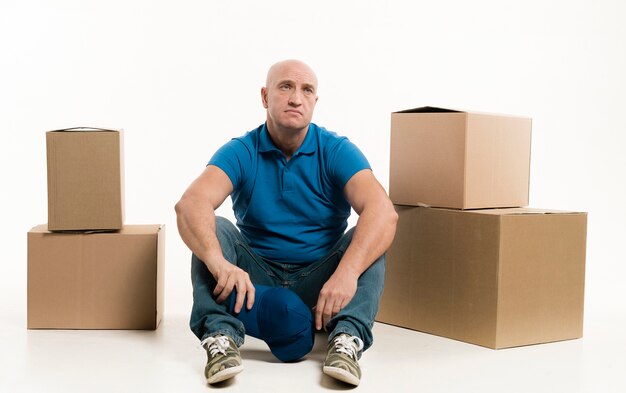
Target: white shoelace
{"type": "Point", "coordinates": [216, 344]}
{"type": "Point", "coordinates": [350, 345]}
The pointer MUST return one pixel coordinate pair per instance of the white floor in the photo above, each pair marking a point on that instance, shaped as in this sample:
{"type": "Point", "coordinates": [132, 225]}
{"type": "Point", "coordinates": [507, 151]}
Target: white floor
{"type": "Point", "coordinates": [170, 360]}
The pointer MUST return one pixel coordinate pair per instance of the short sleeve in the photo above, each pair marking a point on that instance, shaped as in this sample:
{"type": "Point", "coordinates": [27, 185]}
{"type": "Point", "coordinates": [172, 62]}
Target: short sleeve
{"type": "Point", "coordinates": [233, 158]}
{"type": "Point", "coordinates": [344, 161]}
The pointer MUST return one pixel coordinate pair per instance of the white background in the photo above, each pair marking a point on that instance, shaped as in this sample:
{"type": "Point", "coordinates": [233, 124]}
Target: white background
{"type": "Point", "coordinates": [183, 77]}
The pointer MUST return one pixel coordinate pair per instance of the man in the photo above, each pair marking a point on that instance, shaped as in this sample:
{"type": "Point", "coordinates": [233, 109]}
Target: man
{"type": "Point", "coordinates": [292, 184]}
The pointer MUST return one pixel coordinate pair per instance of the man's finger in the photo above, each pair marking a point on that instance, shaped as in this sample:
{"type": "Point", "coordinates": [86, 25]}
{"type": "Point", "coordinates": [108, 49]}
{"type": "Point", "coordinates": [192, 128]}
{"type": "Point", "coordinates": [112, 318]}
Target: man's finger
{"type": "Point", "coordinates": [228, 288]}
{"type": "Point", "coordinates": [219, 287]}
{"type": "Point", "coordinates": [319, 308]}
{"type": "Point", "coordinates": [251, 294]}
{"type": "Point", "coordinates": [327, 314]}
{"type": "Point", "coordinates": [241, 294]}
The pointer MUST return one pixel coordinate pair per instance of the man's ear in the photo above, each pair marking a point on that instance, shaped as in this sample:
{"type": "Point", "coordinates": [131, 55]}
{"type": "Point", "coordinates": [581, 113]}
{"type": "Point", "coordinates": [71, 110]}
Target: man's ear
{"type": "Point", "coordinates": [264, 97]}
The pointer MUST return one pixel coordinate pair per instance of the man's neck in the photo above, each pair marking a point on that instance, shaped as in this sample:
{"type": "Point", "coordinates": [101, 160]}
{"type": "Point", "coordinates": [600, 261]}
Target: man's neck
{"type": "Point", "coordinates": [287, 140]}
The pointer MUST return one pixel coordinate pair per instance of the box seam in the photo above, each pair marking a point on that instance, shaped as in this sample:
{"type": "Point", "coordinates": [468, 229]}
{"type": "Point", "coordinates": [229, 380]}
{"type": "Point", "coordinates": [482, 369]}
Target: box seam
{"type": "Point", "coordinates": [464, 201]}
{"type": "Point", "coordinates": [496, 343]}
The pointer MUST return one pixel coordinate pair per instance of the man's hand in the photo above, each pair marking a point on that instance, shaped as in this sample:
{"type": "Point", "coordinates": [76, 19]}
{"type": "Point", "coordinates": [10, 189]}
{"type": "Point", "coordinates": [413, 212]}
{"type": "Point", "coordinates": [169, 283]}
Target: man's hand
{"type": "Point", "coordinates": [228, 277]}
{"type": "Point", "coordinates": [335, 295]}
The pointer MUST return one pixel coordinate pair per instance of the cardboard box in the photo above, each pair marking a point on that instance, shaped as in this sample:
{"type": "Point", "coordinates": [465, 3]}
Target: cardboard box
{"type": "Point", "coordinates": [462, 160]}
{"type": "Point", "coordinates": [85, 179]}
{"type": "Point", "coordinates": [496, 277]}
{"type": "Point", "coordinates": [110, 280]}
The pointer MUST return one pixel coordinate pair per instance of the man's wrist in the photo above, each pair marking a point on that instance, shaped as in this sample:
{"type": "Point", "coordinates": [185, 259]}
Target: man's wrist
{"type": "Point", "coordinates": [214, 262]}
{"type": "Point", "coordinates": [347, 269]}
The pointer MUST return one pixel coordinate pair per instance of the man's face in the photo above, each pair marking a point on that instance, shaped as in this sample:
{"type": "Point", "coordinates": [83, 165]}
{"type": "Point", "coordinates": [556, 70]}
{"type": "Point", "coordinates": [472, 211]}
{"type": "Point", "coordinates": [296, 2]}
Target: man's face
{"type": "Point", "coordinates": [290, 95]}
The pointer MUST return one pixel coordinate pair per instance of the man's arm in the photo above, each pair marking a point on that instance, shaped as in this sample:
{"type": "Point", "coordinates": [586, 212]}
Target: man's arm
{"type": "Point", "coordinates": [195, 216]}
{"type": "Point", "coordinates": [374, 232]}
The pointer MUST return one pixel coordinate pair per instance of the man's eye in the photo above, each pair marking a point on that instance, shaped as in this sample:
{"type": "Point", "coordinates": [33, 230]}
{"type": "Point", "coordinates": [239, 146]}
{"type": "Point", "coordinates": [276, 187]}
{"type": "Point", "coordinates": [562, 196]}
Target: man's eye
{"type": "Point", "coordinates": [284, 87]}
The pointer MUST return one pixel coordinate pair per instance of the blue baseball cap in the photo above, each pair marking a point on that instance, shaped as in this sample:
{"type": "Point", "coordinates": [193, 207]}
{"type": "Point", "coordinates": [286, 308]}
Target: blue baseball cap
{"type": "Point", "coordinates": [281, 319]}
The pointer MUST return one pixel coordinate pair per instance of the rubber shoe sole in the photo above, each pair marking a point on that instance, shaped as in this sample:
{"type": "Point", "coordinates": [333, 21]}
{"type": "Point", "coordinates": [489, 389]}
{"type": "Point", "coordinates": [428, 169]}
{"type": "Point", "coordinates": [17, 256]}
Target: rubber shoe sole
{"type": "Point", "coordinates": [225, 374]}
{"type": "Point", "coordinates": [342, 375]}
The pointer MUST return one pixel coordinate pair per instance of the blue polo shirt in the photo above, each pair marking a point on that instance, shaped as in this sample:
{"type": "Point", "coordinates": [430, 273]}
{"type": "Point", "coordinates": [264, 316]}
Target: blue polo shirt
{"type": "Point", "coordinates": [290, 211]}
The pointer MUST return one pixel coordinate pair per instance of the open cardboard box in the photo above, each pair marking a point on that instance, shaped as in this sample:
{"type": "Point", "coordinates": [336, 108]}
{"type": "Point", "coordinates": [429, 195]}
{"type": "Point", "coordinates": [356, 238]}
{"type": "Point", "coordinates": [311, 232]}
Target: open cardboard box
{"type": "Point", "coordinates": [110, 280]}
{"type": "Point", "coordinates": [85, 179]}
{"type": "Point", "coordinates": [493, 277]}
{"type": "Point", "coordinates": [459, 159]}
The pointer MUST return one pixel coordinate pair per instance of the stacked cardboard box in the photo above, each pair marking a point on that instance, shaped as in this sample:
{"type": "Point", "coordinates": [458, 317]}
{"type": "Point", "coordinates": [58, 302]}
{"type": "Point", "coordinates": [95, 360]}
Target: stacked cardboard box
{"type": "Point", "coordinates": [86, 269]}
{"type": "Point", "coordinates": [469, 262]}
{"type": "Point", "coordinates": [85, 179]}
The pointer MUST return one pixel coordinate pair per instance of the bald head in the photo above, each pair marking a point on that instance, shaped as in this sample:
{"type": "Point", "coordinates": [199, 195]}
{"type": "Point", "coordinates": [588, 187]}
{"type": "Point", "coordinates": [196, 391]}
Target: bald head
{"type": "Point", "coordinates": [289, 96]}
{"type": "Point", "coordinates": [290, 66]}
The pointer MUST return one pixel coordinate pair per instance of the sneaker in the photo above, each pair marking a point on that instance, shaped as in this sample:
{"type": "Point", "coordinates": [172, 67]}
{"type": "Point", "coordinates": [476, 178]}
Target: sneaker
{"type": "Point", "coordinates": [341, 359]}
{"type": "Point", "coordinates": [223, 361]}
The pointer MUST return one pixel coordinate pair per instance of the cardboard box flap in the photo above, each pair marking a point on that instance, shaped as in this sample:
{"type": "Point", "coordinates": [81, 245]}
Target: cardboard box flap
{"type": "Point", "coordinates": [140, 229]}
{"type": "Point", "coordinates": [522, 211]}
{"type": "Point", "coordinates": [126, 230]}
{"type": "Point", "coordinates": [432, 109]}
{"type": "Point", "coordinates": [429, 109]}
{"type": "Point", "coordinates": [43, 228]}
{"type": "Point", "coordinates": [85, 129]}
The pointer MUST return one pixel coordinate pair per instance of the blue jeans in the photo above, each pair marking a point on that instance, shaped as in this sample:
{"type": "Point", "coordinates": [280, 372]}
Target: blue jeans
{"type": "Point", "coordinates": [209, 318]}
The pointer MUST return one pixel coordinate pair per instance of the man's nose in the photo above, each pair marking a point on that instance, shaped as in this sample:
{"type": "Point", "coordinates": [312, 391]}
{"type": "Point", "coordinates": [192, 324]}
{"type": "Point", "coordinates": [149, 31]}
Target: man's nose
{"type": "Point", "coordinates": [295, 98]}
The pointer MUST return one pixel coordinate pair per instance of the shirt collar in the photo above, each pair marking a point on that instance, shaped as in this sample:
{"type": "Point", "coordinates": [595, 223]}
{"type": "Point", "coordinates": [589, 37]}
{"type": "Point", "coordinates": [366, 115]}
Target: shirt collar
{"type": "Point", "coordinates": [308, 145]}
{"type": "Point", "coordinates": [265, 142]}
